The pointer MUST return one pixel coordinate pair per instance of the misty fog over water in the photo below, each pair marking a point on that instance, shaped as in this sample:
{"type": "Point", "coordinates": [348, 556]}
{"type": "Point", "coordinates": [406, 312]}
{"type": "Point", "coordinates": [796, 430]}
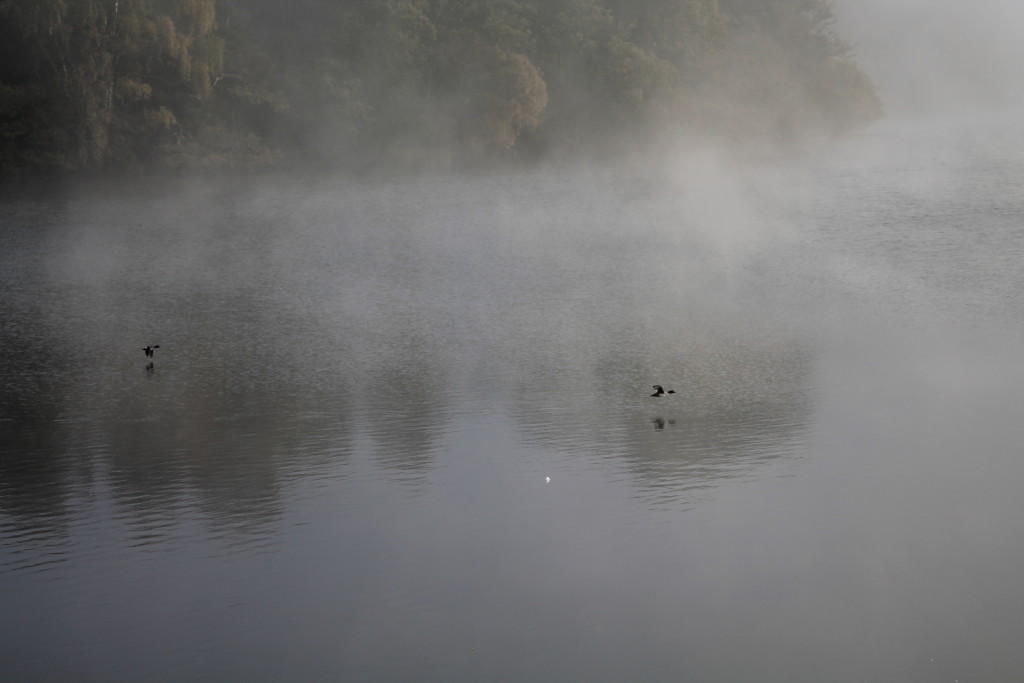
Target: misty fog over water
{"type": "Point", "coordinates": [402, 429]}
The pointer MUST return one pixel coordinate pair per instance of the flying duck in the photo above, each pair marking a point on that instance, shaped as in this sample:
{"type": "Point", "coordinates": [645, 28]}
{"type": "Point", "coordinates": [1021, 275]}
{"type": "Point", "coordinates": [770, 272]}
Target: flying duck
{"type": "Point", "coordinates": [150, 349]}
{"type": "Point", "coordinates": [660, 390]}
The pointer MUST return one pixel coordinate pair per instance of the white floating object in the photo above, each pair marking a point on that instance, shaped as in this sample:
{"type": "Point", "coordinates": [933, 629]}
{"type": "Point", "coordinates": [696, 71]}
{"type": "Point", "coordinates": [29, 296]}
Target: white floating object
{"type": "Point", "coordinates": [547, 480]}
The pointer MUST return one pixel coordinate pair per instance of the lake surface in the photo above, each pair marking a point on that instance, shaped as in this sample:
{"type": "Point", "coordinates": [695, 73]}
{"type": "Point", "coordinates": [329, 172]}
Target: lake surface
{"type": "Point", "coordinates": [402, 430]}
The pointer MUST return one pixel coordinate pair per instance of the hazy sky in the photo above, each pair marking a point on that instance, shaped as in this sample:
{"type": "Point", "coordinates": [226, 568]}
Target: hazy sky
{"type": "Point", "coordinates": [946, 54]}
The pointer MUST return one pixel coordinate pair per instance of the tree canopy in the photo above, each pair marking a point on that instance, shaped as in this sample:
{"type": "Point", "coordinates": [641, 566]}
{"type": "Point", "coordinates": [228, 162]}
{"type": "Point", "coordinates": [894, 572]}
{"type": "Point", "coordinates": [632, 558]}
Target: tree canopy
{"type": "Point", "coordinates": [123, 85]}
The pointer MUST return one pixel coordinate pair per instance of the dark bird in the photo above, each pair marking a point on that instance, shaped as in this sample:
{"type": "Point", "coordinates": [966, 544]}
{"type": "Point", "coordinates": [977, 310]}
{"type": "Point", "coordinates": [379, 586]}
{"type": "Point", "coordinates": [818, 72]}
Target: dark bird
{"type": "Point", "coordinates": [660, 390]}
{"type": "Point", "coordinates": [150, 349]}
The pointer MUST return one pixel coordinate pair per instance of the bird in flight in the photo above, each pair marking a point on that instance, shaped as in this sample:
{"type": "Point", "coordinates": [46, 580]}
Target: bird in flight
{"type": "Point", "coordinates": [150, 349]}
{"type": "Point", "coordinates": [660, 390]}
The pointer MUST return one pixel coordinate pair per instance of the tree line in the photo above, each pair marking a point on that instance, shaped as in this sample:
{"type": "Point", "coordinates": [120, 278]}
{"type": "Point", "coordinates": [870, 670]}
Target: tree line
{"type": "Point", "coordinates": [154, 85]}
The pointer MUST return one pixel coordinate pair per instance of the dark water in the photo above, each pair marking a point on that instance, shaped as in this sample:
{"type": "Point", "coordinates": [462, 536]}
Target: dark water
{"type": "Point", "coordinates": [402, 431]}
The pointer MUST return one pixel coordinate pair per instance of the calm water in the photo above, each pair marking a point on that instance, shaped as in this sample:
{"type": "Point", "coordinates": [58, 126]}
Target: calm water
{"type": "Point", "coordinates": [402, 431]}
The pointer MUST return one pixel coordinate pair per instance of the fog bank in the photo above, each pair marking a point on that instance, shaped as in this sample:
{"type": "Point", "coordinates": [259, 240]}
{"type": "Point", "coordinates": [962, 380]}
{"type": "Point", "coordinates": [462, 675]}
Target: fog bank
{"type": "Point", "coordinates": [938, 55]}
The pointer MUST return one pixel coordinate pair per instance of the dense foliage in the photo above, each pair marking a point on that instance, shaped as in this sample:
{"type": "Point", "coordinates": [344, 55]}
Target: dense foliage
{"type": "Point", "coordinates": [165, 84]}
